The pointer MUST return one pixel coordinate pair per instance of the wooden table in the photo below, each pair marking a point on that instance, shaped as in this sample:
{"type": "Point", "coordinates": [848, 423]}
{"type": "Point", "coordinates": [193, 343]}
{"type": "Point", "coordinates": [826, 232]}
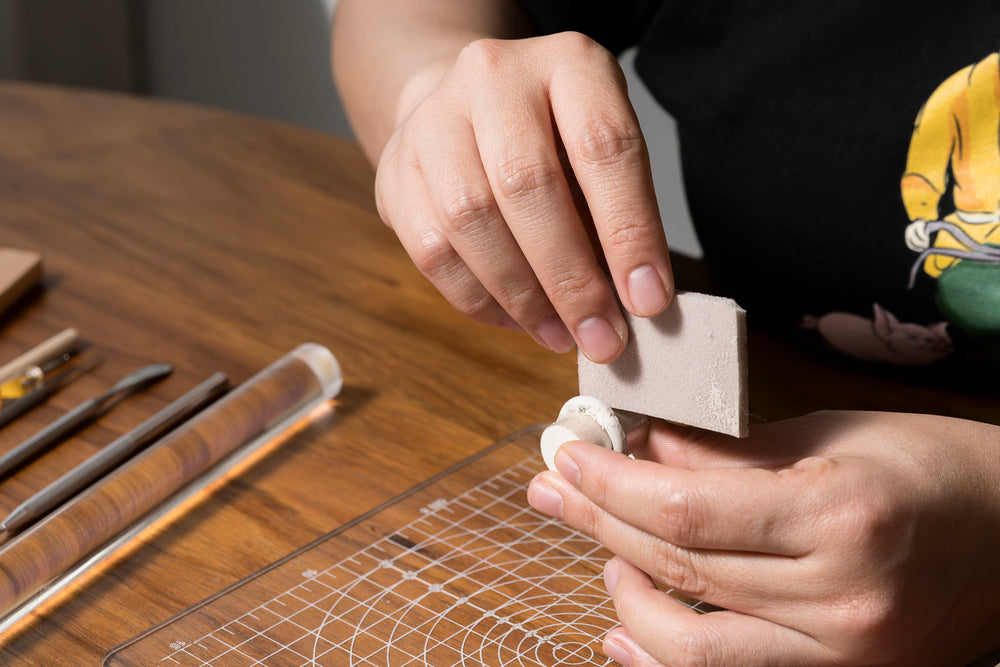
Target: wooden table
{"type": "Point", "coordinates": [215, 241]}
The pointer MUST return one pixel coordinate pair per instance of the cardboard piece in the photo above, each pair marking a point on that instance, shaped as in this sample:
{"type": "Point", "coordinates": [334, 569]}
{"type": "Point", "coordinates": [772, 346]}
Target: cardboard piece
{"type": "Point", "coordinates": [19, 271]}
{"type": "Point", "coordinates": [686, 365]}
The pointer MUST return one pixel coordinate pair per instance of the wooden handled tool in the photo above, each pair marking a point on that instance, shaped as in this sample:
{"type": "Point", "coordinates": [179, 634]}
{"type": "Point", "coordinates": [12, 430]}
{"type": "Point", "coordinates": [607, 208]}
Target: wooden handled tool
{"type": "Point", "coordinates": [62, 342]}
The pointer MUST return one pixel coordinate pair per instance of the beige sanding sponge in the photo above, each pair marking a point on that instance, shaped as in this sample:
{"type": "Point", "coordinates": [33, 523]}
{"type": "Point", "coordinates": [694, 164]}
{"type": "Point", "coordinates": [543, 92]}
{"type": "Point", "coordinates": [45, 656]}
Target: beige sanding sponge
{"type": "Point", "coordinates": [686, 365]}
{"type": "Point", "coordinates": [19, 271]}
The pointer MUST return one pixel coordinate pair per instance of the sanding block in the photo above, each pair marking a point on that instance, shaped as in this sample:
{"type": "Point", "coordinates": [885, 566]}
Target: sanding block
{"type": "Point", "coordinates": [686, 365]}
{"type": "Point", "coordinates": [20, 270]}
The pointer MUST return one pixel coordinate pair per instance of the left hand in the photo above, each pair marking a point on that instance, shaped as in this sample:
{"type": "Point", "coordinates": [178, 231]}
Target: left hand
{"type": "Point", "coordinates": [835, 538]}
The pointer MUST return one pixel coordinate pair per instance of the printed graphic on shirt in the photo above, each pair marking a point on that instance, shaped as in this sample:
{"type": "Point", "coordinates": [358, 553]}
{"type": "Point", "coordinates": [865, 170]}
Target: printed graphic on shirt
{"type": "Point", "coordinates": [882, 338]}
{"type": "Point", "coordinates": [954, 158]}
{"type": "Point", "coordinates": [951, 193]}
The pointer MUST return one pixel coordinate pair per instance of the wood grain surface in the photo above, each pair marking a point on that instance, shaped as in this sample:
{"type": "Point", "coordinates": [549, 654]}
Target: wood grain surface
{"type": "Point", "coordinates": [219, 242]}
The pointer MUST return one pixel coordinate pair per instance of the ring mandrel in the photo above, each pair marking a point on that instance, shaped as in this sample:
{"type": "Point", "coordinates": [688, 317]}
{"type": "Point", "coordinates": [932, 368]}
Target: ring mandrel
{"type": "Point", "coordinates": [592, 420]}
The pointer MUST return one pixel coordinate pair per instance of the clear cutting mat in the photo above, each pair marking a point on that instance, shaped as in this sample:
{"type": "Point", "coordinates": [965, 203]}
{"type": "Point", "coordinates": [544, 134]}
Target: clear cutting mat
{"type": "Point", "coordinates": [458, 571]}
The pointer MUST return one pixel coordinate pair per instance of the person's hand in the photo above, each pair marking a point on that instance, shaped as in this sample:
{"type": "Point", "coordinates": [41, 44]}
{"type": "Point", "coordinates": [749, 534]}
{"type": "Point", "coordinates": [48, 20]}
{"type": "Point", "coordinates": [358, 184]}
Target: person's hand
{"type": "Point", "coordinates": [839, 538]}
{"type": "Point", "coordinates": [916, 236]}
{"type": "Point", "coordinates": [516, 179]}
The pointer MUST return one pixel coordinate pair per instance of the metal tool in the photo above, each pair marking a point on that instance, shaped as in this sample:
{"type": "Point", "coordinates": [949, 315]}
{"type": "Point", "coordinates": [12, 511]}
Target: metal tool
{"type": "Point", "coordinates": [114, 454]}
{"type": "Point", "coordinates": [82, 414]}
{"type": "Point", "coordinates": [260, 413]}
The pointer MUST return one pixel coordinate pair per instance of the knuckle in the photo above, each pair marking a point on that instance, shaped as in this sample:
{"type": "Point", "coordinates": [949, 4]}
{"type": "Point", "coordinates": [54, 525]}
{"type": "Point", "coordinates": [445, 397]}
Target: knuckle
{"type": "Point", "coordinates": [521, 176]}
{"type": "Point", "coordinates": [875, 624]}
{"type": "Point", "coordinates": [879, 617]}
{"type": "Point", "coordinates": [874, 610]}
{"type": "Point", "coordinates": [516, 297]}
{"type": "Point", "coordinates": [678, 518]}
{"type": "Point", "coordinates": [478, 306]}
{"type": "Point", "coordinates": [434, 256]}
{"type": "Point", "coordinates": [482, 56]}
{"type": "Point", "coordinates": [872, 524]}
{"type": "Point", "coordinates": [466, 211]}
{"type": "Point", "coordinates": [572, 287]}
{"type": "Point", "coordinates": [579, 47]}
{"type": "Point", "coordinates": [676, 569]}
{"type": "Point", "coordinates": [630, 229]}
{"type": "Point", "coordinates": [602, 141]}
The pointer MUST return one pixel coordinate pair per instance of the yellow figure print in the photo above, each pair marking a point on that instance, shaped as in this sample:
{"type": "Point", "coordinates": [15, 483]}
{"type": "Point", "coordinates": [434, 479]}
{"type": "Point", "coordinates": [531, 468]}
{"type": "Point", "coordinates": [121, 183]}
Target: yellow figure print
{"type": "Point", "coordinates": [956, 143]}
{"type": "Point", "coordinates": [955, 150]}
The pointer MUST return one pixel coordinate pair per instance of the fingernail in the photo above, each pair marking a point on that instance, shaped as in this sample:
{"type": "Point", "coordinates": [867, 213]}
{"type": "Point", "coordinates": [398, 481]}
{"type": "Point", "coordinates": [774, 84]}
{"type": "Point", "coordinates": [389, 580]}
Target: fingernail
{"type": "Point", "coordinates": [611, 571]}
{"type": "Point", "coordinates": [646, 291]}
{"type": "Point", "coordinates": [614, 650]}
{"type": "Point", "coordinates": [545, 499]}
{"type": "Point", "coordinates": [599, 340]}
{"type": "Point", "coordinates": [567, 468]}
{"type": "Point", "coordinates": [554, 334]}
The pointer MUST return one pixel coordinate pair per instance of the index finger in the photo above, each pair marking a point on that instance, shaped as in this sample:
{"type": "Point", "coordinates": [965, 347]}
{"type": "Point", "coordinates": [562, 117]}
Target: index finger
{"type": "Point", "coordinates": [519, 149]}
{"type": "Point", "coordinates": [727, 509]}
{"type": "Point", "coordinates": [610, 160]}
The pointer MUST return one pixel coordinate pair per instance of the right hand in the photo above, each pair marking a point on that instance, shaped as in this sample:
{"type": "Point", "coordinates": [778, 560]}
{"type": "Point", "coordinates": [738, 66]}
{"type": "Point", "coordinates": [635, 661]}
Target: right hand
{"type": "Point", "coordinates": [516, 179]}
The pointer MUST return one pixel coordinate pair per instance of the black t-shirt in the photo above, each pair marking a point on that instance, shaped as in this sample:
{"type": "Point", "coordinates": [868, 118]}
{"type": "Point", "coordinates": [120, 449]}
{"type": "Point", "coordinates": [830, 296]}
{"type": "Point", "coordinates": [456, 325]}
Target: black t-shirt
{"type": "Point", "coordinates": [841, 160]}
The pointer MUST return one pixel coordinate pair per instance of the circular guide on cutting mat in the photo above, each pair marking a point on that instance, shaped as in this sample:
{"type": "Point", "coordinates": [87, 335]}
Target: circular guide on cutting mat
{"type": "Point", "coordinates": [459, 571]}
